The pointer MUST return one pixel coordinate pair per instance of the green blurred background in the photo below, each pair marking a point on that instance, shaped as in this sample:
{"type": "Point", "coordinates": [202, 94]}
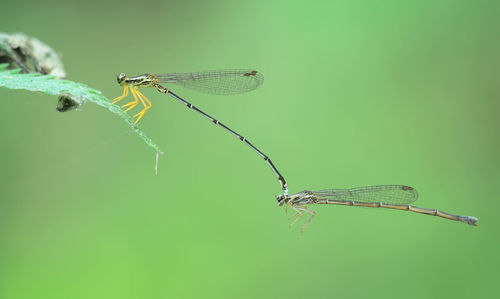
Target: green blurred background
{"type": "Point", "coordinates": [356, 93]}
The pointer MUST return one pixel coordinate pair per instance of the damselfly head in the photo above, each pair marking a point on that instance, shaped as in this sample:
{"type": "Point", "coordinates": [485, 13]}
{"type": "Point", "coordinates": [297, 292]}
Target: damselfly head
{"type": "Point", "coordinates": [121, 78]}
{"type": "Point", "coordinates": [281, 199]}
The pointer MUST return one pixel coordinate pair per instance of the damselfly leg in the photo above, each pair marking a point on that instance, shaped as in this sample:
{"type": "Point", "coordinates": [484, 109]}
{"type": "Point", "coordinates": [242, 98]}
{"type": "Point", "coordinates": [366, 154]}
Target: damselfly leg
{"type": "Point", "coordinates": [145, 102]}
{"type": "Point", "coordinates": [138, 97]}
{"type": "Point", "coordinates": [135, 102]}
{"type": "Point", "coordinates": [300, 213]}
{"type": "Point", "coordinates": [124, 94]}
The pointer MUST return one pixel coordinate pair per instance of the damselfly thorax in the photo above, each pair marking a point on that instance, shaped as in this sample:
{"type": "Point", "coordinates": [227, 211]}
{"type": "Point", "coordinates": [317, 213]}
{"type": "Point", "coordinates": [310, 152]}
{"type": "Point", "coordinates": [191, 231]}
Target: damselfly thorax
{"type": "Point", "coordinates": [145, 80]}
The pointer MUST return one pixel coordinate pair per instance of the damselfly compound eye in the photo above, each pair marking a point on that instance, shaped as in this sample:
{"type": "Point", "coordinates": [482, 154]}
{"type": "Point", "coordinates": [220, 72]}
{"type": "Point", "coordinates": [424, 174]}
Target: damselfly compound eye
{"type": "Point", "coordinates": [120, 78]}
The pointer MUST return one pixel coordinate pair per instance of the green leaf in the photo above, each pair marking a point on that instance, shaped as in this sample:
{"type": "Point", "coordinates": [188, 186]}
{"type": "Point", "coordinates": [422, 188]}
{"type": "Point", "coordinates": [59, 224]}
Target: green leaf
{"type": "Point", "coordinates": [78, 92]}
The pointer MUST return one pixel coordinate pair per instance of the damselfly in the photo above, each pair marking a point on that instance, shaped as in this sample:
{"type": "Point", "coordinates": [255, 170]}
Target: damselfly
{"type": "Point", "coordinates": [396, 197]}
{"type": "Point", "coordinates": [215, 82]}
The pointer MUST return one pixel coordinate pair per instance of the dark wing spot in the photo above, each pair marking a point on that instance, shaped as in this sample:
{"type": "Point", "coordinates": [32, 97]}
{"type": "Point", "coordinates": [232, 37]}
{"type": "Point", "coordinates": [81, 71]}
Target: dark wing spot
{"type": "Point", "coordinates": [253, 73]}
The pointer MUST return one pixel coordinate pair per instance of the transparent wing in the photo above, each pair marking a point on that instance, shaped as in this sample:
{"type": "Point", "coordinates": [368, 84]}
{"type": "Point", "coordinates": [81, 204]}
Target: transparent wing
{"type": "Point", "coordinates": [389, 194]}
{"type": "Point", "coordinates": [216, 82]}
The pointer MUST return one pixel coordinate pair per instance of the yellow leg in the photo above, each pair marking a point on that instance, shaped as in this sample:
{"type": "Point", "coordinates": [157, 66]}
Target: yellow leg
{"type": "Point", "coordinates": [140, 96]}
{"type": "Point", "coordinates": [132, 104]}
{"type": "Point", "coordinates": [124, 94]}
{"type": "Point", "coordinates": [145, 102]}
{"type": "Point", "coordinates": [146, 99]}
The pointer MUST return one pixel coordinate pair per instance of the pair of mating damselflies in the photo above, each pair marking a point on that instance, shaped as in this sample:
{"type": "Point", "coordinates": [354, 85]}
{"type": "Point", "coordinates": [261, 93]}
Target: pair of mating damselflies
{"type": "Point", "coordinates": [238, 81]}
